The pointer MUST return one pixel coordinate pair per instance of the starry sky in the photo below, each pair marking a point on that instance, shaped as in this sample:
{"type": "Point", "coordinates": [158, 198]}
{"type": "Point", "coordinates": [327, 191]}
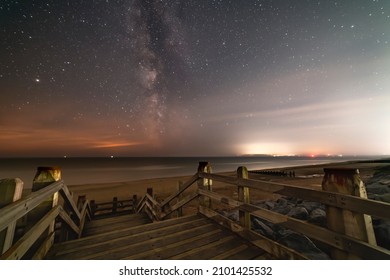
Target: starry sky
{"type": "Point", "coordinates": [190, 78]}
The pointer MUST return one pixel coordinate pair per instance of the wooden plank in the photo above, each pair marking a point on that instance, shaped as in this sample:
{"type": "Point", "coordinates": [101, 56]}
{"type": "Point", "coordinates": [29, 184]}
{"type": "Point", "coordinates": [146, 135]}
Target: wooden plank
{"type": "Point", "coordinates": [10, 191]}
{"type": "Point", "coordinates": [220, 198]}
{"type": "Point", "coordinates": [114, 220]}
{"type": "Point", "coordinates": [186, 185]}
{"type": "Point", "coordinates": [357, 204]}
{"type": "Point", "coordinates": [172, 250]}
{"type": "Point", "coordinates": [74, 245]}
{"type": "Point", "coordinates": [243, 196]}
{"type": "Point", "coordinates": [153, 212]}
{"type": "Point", "coordinates": [65, 217]}
{"type": "Point", "coordinates": [18, 209]}
{"type": "Point", "coordinates": [123, 251]}
{"type": "Point", "coordinates": [44, 248]}
{"type": "Point", "coordinates": [359, 226]}
{"type": "Point", "coordinates": [248, 254]}
{"type": "Point", "coordinates": [115, 227]}
{"type": "Point", "coordinates": [211, 249]}
{"type": "Point", "coordinates": [326, 236]}
{"type": "Point", "coordinates": [188, 198]}
{"type": "Point", "coordinates": [69, 201]}
{"type": "Point", "coordinates": [83, 251]}
{"type": "Point", "coordinates": [18, 250]}
{"type": "Point", "coordinates": [231, 252]}
{"type": "Point", "coordinates": [153, 201]}
{"type": "Point", "coordinates": [84, 216]}
{"type": "Point", "coordinates": [270, 246]}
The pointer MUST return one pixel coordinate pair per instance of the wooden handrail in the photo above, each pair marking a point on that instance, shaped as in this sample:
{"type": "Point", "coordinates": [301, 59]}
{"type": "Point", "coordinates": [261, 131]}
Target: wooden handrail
{"type": "Point", "coordinates": [17, 210]}
{"type": "Point", "coordinates": [18, 250]}
{"type": "Point", "coordinates": [186, 185]}
{"type": "Point", "coordinates": [354, 203]}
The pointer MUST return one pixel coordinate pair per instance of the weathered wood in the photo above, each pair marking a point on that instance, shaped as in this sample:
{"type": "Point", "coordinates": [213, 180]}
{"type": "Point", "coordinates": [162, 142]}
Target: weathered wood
{"type": "Point", "coordinates": [324, 235]}
{"type": "Point", "coordinates": [18, 209]}
{"type": "Point", "coordinates": [211, 249]}
{"type": "Point", "coordinates": [170, 251]}
{"type": "Point", "coordinates": [204, 183]}
{"type": "Point", "coordinates": [106, 237]}
{"type": "Point", "coordinates": [270, 246]}
{"type": "Point", "coordinates": [220, 198]}
{"type": "Point", "coordinates": [357, 204]}
{"type": "Point", "coordinates": [151, 244]}
{"type": "Point", "coordinates": [188, 198]}
{"type": "Point", "coordinates": [243, 196]}
{"type": "Point", "coordinates": [227, 253]}
{"type": "Point", "coordinates": [69, 222]}
{"type": "Point", "coordinates": [83, 251]}
{"type": "Point", "coordinates": [359, 226]}
{"type": "Point", "coordinates": [185, 186]}
{"type": "Point", "coordinates": [10, 191]}
{"type": "Point", "coordinates": [68, 199]}
{"type": "Point", "coordinates": [18, 250]}
{"type": "Point", "coordinates": [44, 248]}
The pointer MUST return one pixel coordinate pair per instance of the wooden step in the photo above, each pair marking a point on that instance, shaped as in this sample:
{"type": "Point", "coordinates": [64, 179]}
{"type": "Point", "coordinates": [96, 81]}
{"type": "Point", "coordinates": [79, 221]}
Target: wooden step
{"type": "Point", "coordinates": [190, 237]}
{"type": "Point", "coordinates": [115, 223]}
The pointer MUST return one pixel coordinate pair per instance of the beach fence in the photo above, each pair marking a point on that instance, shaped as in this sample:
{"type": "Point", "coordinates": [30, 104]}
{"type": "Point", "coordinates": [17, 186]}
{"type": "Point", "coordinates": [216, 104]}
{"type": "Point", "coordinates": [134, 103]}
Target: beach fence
{"type": "Point", "coordinates": [50, 215]}
{"type": "Point", "coordinates": [348, 233]}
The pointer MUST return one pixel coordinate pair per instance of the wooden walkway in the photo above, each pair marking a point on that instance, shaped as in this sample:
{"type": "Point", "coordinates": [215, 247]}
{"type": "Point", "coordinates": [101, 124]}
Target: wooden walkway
{"type": "Point", "coordinates": [135, 237]}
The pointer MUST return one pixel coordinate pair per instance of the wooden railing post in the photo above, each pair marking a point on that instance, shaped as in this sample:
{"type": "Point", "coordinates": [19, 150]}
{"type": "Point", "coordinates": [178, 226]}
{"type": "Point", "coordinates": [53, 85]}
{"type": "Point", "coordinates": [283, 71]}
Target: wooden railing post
{"type": "Point", "coordinates": [205, 184]}
{"type": "Point", "coordinates": [359, 226]}
{"type": "Point", "coordinates": [243, 196]}
{"type": "Point", "coordinates": [114, 205]}
{"type": "Point", "coordinates": [179, 198]}
{"type": "Point", "coordinates": [10, 191]}
{"type": "Point", "coordinates": [43, 178]}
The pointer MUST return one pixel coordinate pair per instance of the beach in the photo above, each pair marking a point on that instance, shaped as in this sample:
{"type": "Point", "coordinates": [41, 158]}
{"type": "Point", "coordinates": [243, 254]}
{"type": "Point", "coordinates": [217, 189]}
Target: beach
{"type": "Point", "coordinates": [309, 176]}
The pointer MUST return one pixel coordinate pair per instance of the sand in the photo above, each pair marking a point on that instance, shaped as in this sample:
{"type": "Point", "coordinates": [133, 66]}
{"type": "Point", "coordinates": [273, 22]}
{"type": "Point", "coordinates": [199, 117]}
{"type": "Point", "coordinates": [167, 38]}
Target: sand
{"type": "Point", "coordinates": [305, 176]}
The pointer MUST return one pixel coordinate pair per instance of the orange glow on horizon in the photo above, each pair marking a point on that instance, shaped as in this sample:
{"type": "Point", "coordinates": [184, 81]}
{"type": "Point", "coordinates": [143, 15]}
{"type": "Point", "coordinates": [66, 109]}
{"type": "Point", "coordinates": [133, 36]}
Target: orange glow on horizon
{"type": "Point", "coordinates": [115, 145]}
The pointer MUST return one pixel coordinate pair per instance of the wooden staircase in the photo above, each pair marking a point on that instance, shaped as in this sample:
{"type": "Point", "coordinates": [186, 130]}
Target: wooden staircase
{"type": "Point", "coordinates": [135, 237]}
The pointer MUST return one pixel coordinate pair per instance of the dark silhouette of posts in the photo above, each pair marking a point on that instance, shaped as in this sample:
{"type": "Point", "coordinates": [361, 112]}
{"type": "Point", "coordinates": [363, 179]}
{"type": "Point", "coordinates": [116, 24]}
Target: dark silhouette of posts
{"type": "Point", "coordinates": [359, 226]}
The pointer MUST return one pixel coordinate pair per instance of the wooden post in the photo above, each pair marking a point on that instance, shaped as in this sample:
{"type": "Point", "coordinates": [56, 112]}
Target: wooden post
{"type": "Point", "coordinates": [135, 202]}
{"type": "Point", "coordinates": [10, 191]}
{"type": "Point", "coordinates": [359, 226]}
{"type": "Point", "coordinates": [93, 207]}
{"type": "Point", "coordinates": [205, 184]}
{"type": "Point", "coordinates": [179, 211]}
{"type": "Point", "coordinates": [43, 178]}
{"type": "Point", "coordinates": [114, 205]}
{"type": "Point", "coordinates": [149, 191]}
{"type": "Point", "coordinates": [243, 196]}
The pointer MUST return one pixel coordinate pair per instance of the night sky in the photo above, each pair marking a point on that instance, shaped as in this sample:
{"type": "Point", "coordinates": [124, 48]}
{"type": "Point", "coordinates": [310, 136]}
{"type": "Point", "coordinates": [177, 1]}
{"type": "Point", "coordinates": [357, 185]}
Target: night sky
{"type": "Point", "coordinates": [190, 78]}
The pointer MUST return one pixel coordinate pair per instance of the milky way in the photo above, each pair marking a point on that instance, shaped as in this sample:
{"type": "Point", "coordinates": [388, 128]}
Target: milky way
{"type": "Point", "coordinates": [132, 77]}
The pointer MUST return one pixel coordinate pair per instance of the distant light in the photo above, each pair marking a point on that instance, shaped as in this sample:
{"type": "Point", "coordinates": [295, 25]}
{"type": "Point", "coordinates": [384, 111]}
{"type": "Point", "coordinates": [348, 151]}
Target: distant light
{"type": "Point", "coordinates": [112, 157]}
{"type": "Point", "coordinates": [312, 155]}
{"type": "Point", "coordinates": [37, 80]}
{"type": "Point", "coordinates": [64, 156]}
{"type": "Point", "coordinates": [340, 155]}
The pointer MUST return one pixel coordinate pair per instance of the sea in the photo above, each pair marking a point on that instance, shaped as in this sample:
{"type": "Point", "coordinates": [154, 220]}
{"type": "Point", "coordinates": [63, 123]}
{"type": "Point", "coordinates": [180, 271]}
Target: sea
{"type": "Point", "coordinates": [90, 170]}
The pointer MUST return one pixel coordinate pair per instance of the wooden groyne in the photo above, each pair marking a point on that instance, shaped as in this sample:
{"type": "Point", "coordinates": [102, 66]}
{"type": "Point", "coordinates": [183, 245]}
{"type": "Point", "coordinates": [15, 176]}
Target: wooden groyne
{"type": "Point", "coordinates": [50, 223]}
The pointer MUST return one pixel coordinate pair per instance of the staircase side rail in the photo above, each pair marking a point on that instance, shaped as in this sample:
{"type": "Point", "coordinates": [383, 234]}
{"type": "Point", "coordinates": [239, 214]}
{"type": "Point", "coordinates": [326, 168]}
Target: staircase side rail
{"type": "Point", "coordinates": [185, 186]}
{"type": "Point", "coordinates": [349, 202]}
{"type": "Point", "coordinates": [272, 247]}
{"type": "Point", "coordinates": [185, 200]}
{"type": "Point", "coordinates": [324, 235]}
{"type": "Point", "coordinates": [20, 208]}
{"type": "Point", "coordinates": [18, 250]}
